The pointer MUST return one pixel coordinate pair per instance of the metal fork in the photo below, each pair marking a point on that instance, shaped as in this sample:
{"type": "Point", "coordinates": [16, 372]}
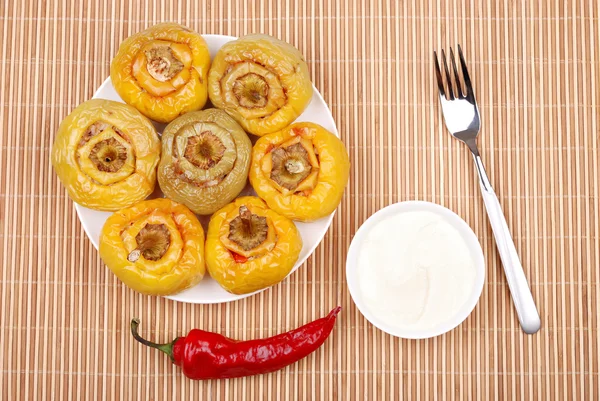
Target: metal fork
{"type": "Point", "coordinates": [462, 120]}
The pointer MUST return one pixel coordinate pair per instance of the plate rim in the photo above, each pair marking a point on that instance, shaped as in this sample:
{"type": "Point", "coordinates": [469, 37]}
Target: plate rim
{"type": "Point", "coordinates": [230, 297]}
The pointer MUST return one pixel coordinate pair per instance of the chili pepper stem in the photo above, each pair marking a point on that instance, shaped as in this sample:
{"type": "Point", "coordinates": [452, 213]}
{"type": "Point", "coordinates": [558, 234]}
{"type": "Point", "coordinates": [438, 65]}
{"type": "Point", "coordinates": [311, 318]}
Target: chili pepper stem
{"type": "Point", "coordinates": [166, 348]}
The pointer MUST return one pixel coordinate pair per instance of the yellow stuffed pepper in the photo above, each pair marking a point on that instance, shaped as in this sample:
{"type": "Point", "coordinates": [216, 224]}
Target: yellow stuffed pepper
{"type": "Point", "coordinates": [155, 247]}
{"type": "Point", "coordinates": [250, 247]}
{"type": "Point", "coordinates": [162, 71]}
{"type": "Point", "coordinates": [261, 81]}
{"type": "Point", "coordinates": [300, 171]}
{"type": "Point", "coordinates": [105, 154]}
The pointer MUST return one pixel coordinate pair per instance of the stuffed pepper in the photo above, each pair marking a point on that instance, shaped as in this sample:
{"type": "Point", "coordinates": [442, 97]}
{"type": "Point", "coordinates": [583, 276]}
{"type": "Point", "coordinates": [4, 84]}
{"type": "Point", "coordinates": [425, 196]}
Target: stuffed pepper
{"type": "Point", "coordinates": [105, 154]}
{"type": "Point", "coordinates": [250, 247]}
{"type": "Point", "coordinates": [300, 171]}
{"type": "Point", "coordinates": [155, 247]}
{"type": "Point", "coordinates": [206, 158]}
{"type": "Point", "coordinates": [261, 81]}
{"type": "Point", "coordinates": [162, 71]}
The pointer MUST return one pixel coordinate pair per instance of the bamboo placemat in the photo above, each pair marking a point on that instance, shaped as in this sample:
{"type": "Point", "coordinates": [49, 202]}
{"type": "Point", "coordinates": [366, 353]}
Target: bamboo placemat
{"type": "Point", "coordinates": [64, 317]}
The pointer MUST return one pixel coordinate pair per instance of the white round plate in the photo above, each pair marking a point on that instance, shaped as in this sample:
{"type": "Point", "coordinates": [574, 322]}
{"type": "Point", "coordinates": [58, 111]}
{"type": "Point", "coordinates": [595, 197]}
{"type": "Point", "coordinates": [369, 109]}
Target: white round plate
{"type": "Point", "coordinates": [208, 291]}
{"type": "Point", "coordinates": [465, 231]}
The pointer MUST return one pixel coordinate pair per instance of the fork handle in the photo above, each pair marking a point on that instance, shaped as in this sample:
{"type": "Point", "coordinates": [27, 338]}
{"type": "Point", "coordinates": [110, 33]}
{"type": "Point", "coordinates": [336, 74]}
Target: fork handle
{"type": "Point", "coordinates": [527, 313]}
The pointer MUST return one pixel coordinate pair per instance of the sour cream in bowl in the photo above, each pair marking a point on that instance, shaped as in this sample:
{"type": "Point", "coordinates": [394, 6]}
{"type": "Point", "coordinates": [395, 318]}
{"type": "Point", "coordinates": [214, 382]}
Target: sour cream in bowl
{"type": "Point", "coordinates": [415, 269]}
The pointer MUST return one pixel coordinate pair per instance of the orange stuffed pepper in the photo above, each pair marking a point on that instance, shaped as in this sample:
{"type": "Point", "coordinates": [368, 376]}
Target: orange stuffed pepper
{"type": "Point", "coordinates": [300, 171]}
{"type": "Point", "coordinates": [162, 71]}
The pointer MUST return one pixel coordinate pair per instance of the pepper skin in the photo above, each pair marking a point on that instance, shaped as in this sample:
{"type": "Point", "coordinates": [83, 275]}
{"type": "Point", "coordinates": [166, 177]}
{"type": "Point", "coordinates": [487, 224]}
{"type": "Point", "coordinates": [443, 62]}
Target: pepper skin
{"type": "Point", "coordinates": [261, 81]}
{"type": "Point", "coordinates": [262, 265]}
{"type": "Point", "coordinates": [204, 355]}
{"type": "Point", "coordinates": [155, 247]}
{"type": "Point", "coordinates": [324, 159]}
{"type": "Point", "coordinates": [105, 154]}
{"type": "Point", "coordinates": [205, 160]}
{"type": "Point", "coordinates": [162, 71]}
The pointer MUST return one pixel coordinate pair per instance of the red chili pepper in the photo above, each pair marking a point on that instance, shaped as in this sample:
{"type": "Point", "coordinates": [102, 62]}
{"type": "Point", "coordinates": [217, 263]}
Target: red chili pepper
{"type": "Point", "coordinates": [205, 355]}
{"type": "Point", "coordinates": [238, 258]}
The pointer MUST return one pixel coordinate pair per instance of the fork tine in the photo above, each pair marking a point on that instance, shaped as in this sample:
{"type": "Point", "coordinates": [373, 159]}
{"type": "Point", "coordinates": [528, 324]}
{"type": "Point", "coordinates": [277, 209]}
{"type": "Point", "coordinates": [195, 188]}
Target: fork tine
{"type": "Point", "coordinates": [450, 93]}
{"type": "Point", "coordinates": [438, 75]}
{"type": "Point", "coordinates": [466, 77]}
{"type": "Point", "coordinates": [456, 76]}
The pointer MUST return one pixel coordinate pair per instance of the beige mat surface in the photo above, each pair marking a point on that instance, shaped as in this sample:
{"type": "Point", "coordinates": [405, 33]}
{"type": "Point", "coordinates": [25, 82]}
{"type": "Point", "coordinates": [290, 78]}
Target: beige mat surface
{"type": "Point", "coordinates": [64, 317]}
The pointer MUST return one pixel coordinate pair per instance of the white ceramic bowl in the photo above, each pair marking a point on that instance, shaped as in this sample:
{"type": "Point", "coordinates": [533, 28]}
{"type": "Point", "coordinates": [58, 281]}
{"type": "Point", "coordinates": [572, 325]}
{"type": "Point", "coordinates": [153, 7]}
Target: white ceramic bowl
{"type": "Point", "coordinates": [453, 219]}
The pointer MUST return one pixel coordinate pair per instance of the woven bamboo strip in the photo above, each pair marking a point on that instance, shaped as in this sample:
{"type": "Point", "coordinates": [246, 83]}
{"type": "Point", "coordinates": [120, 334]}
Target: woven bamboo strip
{"type": "Point", "coordinates": [536, 69]}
